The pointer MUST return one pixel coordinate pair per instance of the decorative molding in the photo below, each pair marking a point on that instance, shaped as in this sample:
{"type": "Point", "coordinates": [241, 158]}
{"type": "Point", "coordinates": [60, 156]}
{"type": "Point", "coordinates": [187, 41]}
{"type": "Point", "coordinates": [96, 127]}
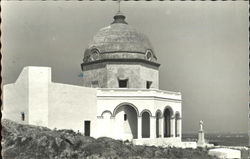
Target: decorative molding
{"type": "Point", "coordinates": [146, 110]}
{"type": "Point", "coordinates": [158, 111]}
{"type": "Point", "coordinates": [107, 52]}
{"type": "Point", "coordinates": [139, 98]}
{"type": "Point", "coordinates": [148, 54]}
{"type": "Point", "coordinates": [120, 61]}
{"type": "Point", "coordinates": [170, 108]}
{"type": "Point", "coordinates": [106, 111]}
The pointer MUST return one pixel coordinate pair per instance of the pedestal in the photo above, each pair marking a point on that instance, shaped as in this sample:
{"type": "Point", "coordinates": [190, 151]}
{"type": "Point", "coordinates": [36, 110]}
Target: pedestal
{"type": "Point", "coordinates": [201, 139]}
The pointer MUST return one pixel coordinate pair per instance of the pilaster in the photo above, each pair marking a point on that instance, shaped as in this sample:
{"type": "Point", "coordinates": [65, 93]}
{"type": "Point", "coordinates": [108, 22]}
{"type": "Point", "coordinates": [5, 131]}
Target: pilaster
{"type": "Point", "coordinates": [152, 127]}
{"type": "Point", "coordinates": [139, 127]}
{"type": "Point", "coordinates": [172, 128]}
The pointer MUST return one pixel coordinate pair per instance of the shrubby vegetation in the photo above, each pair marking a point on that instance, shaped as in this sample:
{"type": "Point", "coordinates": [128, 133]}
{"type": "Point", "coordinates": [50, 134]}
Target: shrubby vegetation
{"type": "Point", "coordinates": [27, 142]}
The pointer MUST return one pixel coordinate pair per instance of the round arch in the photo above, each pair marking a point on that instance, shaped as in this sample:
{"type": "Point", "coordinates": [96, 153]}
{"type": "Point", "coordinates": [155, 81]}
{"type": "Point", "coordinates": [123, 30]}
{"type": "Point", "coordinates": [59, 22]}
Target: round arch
{"type": "Point", "coordinates": [167, 116]}
{"type": "Point", "coordinates": [125, 103]}
{"type": "Point", "coordinates": [125, 117]}
{"type": "Point", "coordinates": [177, 115]}
{"type": "Point", "coordinates": [146, 110]}
{"type": "Point", "coordinates": [106, 111]}
{"type": "Point", "coordinates": [158, 116]}
{"type": "Point", "coordinates": [145, 117]}
{"type": "Point", "coordinates": [170, 109]}
{"type": "Point", "coordinates": [158, 111]}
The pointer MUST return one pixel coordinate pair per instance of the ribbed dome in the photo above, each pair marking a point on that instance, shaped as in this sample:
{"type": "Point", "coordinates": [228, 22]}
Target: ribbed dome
{"type": "Point", "coordinates": [119, 37]}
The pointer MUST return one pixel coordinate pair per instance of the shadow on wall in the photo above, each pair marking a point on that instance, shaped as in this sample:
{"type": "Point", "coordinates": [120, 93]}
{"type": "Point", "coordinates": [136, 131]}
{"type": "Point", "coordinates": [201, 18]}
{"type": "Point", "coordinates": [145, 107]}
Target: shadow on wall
{"type": "Point", "coordinates": [127, 116]}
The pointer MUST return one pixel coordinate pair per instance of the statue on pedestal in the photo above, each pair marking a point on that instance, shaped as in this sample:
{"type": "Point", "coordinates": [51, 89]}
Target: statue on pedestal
{"type": "Point", "coordinates": [201, 138]}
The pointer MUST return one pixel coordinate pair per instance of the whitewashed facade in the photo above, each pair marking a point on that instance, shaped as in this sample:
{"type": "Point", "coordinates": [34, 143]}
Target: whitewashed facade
{"type": "Point", "coordinates": [119, 98]}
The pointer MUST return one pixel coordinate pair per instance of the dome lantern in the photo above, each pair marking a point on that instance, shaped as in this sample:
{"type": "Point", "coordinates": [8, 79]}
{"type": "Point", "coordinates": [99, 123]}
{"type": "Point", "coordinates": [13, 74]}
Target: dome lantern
{"type": "Point", "coordinates": [119, 18]}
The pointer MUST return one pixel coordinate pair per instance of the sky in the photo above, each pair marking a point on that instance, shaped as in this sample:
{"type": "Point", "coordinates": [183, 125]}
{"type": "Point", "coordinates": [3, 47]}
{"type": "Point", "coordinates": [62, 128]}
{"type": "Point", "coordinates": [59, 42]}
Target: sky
{"type": "Point", "coordinates": [202, 48]}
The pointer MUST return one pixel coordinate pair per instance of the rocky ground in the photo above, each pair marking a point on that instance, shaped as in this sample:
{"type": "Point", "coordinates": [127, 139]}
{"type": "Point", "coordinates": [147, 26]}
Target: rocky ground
{"type": "Point", "coordinates": [33, 142]}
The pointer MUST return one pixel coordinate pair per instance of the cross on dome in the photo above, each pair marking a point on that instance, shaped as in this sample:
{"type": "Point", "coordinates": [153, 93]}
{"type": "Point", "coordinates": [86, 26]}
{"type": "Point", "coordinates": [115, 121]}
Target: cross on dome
{"type": "Point", "coordinates": [119, 5]}
{"type": "Point", "coordinates": [119, 17]}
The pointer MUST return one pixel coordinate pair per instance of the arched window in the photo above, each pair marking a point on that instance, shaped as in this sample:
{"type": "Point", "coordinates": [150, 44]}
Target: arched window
{"type": "Point", "coordinates": [145, 124]}
{"type": "Point", "coordinates": [167, 121]}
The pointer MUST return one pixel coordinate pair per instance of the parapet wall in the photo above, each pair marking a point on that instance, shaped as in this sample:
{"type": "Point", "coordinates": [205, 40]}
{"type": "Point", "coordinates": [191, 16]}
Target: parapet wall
{"type": "Point", "coordinates": [70, 106]}
{"type": "Point", "coordinates": [15, 99]}
{"type": "Point", "coordinates": [26, 100]}
{"type": "Point", "coordinates": [38, 93]}
{"type": "Point", "coordinates": [45, 103]}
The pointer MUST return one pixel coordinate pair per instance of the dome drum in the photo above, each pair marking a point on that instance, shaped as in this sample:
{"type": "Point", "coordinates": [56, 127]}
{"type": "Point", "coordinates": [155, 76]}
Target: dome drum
{"type": "Point", "coordinates": [103, 62]}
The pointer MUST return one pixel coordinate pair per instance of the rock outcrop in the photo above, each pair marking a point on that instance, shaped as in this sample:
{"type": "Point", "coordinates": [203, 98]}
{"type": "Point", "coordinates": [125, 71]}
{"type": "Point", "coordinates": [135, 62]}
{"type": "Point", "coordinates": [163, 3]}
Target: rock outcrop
{"type": "Point", "coordinates": [33, 142]}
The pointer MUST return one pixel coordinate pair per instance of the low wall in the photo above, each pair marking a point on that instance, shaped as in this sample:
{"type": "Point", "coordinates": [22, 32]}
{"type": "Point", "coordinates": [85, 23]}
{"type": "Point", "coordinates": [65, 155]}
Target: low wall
{"type": "Point", "coordinates": [164, 142]}
{"type": "Point", "coordinates": [49, 104]}
{"type": "Point", "coordinates": [70, 106]}
{"type": "Point", "coordinates": [15, 99]}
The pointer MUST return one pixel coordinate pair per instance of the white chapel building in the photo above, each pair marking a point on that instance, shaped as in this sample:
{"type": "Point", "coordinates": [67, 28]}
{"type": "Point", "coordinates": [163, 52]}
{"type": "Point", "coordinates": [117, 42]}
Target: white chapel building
{"type": "Point", "coordinates": [120, 96]}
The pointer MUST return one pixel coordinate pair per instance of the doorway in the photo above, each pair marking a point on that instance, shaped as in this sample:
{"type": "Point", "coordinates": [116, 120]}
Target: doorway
{"type": "Point", "coordinates": [87, 128]}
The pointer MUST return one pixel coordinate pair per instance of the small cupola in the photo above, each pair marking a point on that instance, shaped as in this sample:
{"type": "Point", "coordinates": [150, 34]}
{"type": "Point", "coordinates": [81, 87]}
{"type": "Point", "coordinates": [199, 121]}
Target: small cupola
{"type": "Point", "coordinates": [119, 18]}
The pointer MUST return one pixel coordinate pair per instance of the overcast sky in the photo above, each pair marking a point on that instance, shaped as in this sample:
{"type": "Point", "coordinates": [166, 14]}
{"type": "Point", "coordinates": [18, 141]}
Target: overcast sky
{"type": "Point", "coordinates": [202, 48]}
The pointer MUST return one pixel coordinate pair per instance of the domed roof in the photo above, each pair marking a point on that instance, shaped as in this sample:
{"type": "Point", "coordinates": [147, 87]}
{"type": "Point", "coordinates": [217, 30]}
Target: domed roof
{"type": "Point", "coordinates": [119, 37]}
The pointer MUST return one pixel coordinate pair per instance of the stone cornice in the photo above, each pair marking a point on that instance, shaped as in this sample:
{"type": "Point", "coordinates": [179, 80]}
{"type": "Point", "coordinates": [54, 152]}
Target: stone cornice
{"type": "Point", "coordinates": [137, 94]}
{"type": "Point", "coordinates": [103, 63]}
{"type": "Point", "coordinates": [140, 98]}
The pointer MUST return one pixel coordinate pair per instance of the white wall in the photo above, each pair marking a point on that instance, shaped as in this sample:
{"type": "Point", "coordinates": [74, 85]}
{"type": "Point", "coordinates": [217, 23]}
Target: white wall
{"type": "Point", "coordinates": [39, 80]}
{"type": "Point", "coordinates": [70, 105]}
{"type": "Point", "coordinates": [49, 104]}
{"type": "Point", "coordinates": [29, 94]}
{"type": "Point", "coordinates": [15, 98]}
